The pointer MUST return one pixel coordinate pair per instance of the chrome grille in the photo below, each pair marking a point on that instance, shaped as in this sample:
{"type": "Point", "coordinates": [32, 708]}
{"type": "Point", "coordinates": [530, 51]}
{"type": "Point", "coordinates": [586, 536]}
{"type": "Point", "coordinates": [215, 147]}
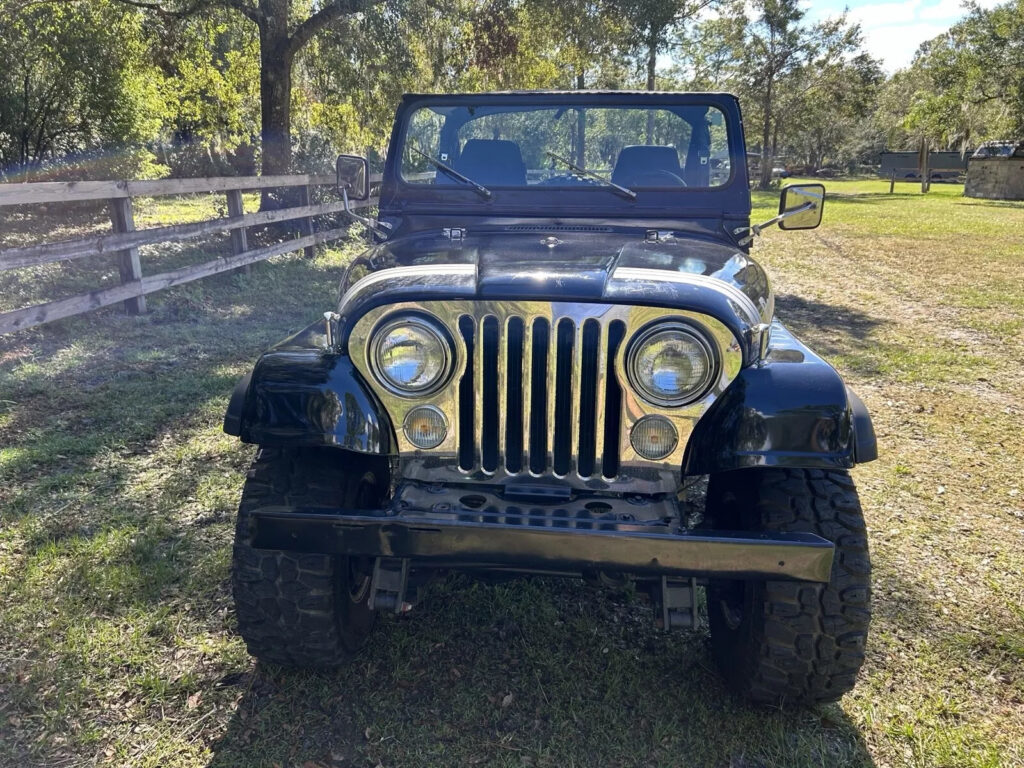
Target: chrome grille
{"type": "Point", "coordinates": [537, 395]}
{"type": "Point", "coordinates": [524, 400]}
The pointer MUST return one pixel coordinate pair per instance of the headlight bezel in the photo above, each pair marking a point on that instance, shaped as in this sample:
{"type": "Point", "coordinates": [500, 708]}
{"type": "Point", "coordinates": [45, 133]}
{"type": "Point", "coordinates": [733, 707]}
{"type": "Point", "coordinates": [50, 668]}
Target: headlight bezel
{"type": "Point", "coordinates": [434, 328]}
{"type": "Point", "coordinates": [651, 332]}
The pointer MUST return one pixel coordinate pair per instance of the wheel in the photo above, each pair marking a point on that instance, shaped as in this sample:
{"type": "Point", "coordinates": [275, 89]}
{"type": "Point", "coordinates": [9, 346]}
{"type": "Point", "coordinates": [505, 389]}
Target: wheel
{"type": "Point", "coordinates": [790, 642]}
{"type": "Point", "coordinates": [297, 609]}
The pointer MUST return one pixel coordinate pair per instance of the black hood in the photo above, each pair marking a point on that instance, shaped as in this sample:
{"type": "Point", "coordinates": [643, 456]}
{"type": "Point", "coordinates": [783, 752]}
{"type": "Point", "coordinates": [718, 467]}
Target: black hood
{"type": "Point", "coordinates": [573, 265]}
{"type": "Point", "coordinates": [597, 265]}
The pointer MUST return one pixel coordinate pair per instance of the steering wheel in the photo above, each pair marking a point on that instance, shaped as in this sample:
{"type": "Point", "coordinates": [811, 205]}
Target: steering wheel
{"type": "Point", "coordinates": [566, 180]}
{"type": "Point", "coordinates": [658, 178]}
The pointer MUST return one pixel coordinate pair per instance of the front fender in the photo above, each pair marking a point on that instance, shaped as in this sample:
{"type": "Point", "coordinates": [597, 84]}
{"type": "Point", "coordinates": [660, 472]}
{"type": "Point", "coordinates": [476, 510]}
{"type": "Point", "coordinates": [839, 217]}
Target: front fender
{"type": "Point", "coordinates": [302, 393]}
{"type": "Point", "coordinates": [792, 410]}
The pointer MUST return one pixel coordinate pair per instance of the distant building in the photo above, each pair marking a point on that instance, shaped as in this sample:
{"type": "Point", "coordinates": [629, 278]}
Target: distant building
{"type": "Point", "coordinates": [943, 166]}
{"type": "Point", "coordinates": [996, 171]}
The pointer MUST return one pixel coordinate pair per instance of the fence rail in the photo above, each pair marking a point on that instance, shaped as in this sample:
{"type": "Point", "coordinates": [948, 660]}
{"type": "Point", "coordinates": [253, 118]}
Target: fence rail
{"type": "Point", "coordinates": [125, 240]}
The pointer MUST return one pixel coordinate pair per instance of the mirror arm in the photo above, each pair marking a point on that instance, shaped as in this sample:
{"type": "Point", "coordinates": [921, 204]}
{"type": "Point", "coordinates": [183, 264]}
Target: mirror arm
{"type": "Point", "coordinates": [756, 229]}
{"type": "Point", "coordinates": [370, 224]}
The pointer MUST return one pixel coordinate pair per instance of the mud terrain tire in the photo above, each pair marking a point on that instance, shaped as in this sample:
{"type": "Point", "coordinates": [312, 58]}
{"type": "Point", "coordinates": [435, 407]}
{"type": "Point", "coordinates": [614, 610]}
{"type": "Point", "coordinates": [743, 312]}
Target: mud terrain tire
{"type": "Point", "coordinates": [297, 609]}
{"type": "Point", "coordinates": [788, 642]}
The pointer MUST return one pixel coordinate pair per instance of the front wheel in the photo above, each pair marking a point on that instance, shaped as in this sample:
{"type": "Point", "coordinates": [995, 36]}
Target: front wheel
{"type": "Point", "coordinates": [791, 642]}
{"type": "Point", "coordinates": [298, 609]}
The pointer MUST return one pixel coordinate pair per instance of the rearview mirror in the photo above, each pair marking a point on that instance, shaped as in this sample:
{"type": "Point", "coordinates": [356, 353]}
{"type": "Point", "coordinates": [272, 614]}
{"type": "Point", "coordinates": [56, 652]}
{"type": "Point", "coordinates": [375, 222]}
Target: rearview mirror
{"type": "Point", "coordinates": [801, 206]}
{"type": "Point", "coordinates": [353, 176]}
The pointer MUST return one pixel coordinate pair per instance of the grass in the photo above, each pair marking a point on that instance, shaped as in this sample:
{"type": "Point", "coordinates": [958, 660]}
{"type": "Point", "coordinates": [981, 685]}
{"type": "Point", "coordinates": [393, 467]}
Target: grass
{"type": "Point", "coordinates": [118, 490]}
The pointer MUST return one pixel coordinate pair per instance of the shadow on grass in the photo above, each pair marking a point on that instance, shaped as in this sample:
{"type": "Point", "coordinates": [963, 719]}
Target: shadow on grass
{"type": "Point", "coordinates": [836, 330]}
{"type": "Point", "coordinates": [542, 673]}
{"type": "Point", "coordinates": [79, 392]}
{"type": "Point", "coordinates": [1014, 205]}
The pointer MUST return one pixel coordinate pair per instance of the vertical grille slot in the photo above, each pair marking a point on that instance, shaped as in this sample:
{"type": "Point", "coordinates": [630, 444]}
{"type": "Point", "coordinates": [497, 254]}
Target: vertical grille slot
{"type": "Point", "coordinates": [514, 396]}
{"type": "Point", "coordinates": [489, 378]}
{"type": "Point", "coordinates": [612, 410]}
{"type": "Point", "coordinates": [564, 395]}
{"type": "Point", "coordinates": [467, 458]}
{"type": "Point", "coordinates": [540, 396]}
{"type": "Point", "coordinates": [588, 403]}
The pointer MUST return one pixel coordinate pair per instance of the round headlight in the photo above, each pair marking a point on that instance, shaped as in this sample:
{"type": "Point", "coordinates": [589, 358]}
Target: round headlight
{"type": "Point", "coordinates": [410, 356]}
{"type": "Point", "coordinates": [670, 364]}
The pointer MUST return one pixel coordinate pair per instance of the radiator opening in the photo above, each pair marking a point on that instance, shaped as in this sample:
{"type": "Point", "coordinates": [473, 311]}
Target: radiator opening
{"type": "Point", "coordinates": [591, 340]}
{"type": "Point", "coordinates": [514, 399]}
{"type": "Point", "coordinates": [613, 403]}
{"type": "Point", "coordinates": [562, 448]}
{"type": "Point", "coordinates": [539, 396]}
{"type": "Point", "coordinates": [466, 448]}
{"type": "Point", "coordinates": [489, 431]}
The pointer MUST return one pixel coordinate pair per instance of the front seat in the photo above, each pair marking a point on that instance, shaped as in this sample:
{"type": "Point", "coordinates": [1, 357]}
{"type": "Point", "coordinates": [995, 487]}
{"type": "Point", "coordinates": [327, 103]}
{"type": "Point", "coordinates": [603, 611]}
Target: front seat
{"type": "Point", "coordinates": [492, 162]}
{"type": "Point", "coordinates": [640, 160]}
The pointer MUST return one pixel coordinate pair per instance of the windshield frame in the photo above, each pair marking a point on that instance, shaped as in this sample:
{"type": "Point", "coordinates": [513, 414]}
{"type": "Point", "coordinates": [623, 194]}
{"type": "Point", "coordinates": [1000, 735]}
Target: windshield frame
{"type": "Point", "coordinates": [730, 198]}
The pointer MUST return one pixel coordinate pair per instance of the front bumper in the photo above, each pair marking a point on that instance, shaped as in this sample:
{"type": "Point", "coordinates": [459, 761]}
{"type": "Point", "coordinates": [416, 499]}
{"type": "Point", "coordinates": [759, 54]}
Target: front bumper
{"type": "Point", "coordinates": [531, 542]}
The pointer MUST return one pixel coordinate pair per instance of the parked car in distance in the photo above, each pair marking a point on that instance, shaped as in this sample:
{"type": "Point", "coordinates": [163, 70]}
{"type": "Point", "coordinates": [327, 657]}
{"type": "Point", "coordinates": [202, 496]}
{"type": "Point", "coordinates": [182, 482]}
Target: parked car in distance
{"type": "Point", "coordinates": [558, 358]}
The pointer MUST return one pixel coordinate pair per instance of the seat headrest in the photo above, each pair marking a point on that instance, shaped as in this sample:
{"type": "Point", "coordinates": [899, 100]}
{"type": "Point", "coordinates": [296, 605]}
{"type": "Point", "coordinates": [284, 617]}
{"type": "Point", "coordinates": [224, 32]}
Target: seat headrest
{"type": "Point", "coordinates": [494, 162]}
{"type": "Point", "coordinates": [636, 160]}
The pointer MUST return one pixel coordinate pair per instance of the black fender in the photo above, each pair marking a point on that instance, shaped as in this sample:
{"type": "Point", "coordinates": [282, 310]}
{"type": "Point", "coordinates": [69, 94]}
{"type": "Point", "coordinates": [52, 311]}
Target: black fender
{"type": "Point", "coordinates": [790, 410]}
{"type": "Point", "coordinates": [303, 393]}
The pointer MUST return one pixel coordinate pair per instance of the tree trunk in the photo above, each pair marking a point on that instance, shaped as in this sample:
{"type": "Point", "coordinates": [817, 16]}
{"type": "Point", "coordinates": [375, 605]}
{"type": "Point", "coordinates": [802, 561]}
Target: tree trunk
{"type": "Point", "coordinates": [652, 63]}
{"type": "Point", "coordinates": [275, 95]}
{"type": "Point", "coordinates": [581, 125]}
{"type": "Point", "coordinates": [766, 136]}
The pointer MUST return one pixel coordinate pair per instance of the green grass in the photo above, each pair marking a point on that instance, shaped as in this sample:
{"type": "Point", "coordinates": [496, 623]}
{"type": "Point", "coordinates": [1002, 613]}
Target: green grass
{"type": "Point", "coordinates": [118, 490]}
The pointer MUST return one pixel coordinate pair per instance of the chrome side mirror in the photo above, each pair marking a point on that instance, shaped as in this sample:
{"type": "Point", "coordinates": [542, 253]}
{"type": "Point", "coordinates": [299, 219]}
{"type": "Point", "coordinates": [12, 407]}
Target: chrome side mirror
{"type": "Point", "coordinates": [801, 206]}
{"type": "Point", "coordinates": [353, 174]}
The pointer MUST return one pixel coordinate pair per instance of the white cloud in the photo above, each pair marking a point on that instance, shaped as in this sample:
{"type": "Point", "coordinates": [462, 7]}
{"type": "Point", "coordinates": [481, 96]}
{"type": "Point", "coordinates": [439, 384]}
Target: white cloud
{"type": "Point", "coordinates": [943, 10]}
{"type": "Point", "coordinates": [896, 44]}
{"type": "Point", "coordinates": [893, 31]}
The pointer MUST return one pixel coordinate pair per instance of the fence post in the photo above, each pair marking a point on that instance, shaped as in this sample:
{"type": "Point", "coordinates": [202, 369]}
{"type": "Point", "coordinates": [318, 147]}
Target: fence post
{"type": "Point", "coordinates": [239, 241]}
{"type": "Point", "coordinates": [122, 217]}
{"type": "Point", "coordinates": [892, 181]}
{"type": "Point", "coordinates": [306, 225]}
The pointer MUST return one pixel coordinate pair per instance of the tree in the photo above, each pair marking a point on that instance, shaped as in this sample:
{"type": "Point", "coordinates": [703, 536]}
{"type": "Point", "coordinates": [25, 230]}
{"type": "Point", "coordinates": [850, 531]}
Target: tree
{"type": "Point", "coordinates": [285, 28]}
{"type": "Point", "coordinates": [779, 53]}
{"type": "Point", "coordinates": [75, 80]}
{"type": "Point", "coordinates": [210, 65]}
{"type": "Point", "coordinates": [970, 80]}
{"type": "Point", "coordinates": [649, 24]}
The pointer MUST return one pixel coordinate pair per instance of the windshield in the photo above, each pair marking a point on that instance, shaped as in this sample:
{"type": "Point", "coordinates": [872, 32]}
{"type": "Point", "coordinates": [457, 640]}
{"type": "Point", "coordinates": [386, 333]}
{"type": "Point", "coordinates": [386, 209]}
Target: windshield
{"type": "Point", "coordinates": [628, 147]}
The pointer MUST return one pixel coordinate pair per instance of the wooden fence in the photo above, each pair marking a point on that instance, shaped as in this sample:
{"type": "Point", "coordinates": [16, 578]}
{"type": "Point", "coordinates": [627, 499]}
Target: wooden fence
{"type": "Point", "coordinates": [125, 240]}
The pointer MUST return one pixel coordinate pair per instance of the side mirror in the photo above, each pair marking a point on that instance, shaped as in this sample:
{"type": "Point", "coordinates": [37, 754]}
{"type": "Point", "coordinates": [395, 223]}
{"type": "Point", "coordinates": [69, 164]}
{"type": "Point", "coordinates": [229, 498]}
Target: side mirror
{"type": "Point", "coordinates": [353, 176]}
{"type": "Point", "coordinates": [801, 206]}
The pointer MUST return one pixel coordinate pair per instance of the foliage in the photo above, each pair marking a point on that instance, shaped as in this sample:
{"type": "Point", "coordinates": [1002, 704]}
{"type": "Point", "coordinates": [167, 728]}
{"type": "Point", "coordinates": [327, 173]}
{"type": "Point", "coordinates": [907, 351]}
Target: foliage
{"type": "Point", "coordinates": [971, 80]}
{"type": "Point", "coordinates": [75, 84]}
{"type": "Point", "coordinates": [117, 88]}
{"type": "Point", "coordinates": [211, 80]}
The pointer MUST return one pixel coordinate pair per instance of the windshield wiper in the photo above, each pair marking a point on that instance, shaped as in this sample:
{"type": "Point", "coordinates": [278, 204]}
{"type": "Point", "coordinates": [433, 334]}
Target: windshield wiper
{"type": "Point", "coordinates": [627, 193]}
{"type": "Point", "coordinates": [480, 189]}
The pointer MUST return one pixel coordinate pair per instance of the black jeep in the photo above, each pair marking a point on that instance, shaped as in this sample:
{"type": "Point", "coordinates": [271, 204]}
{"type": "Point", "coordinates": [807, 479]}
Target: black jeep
{"type": "Point", "coordinates": [558, 358]}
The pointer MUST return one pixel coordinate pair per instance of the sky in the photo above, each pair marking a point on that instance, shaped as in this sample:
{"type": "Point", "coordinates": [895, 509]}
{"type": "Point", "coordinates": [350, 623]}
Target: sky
{"type": "Point", "coordinates": [893, 30]}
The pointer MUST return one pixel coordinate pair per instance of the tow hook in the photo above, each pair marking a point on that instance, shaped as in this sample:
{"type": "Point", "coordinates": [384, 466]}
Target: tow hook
{"type": "Point", "coordinates": [389, 584]}
{"type": "Point", "coordinates": [676, 604]}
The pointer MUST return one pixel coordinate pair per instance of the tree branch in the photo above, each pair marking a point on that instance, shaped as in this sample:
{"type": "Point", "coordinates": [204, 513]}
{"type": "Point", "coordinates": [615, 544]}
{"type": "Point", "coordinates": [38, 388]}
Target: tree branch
{"type": "Point", "coordinates": [250, 11]}
{"type": "Point", "coordinates": [331, 12]}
